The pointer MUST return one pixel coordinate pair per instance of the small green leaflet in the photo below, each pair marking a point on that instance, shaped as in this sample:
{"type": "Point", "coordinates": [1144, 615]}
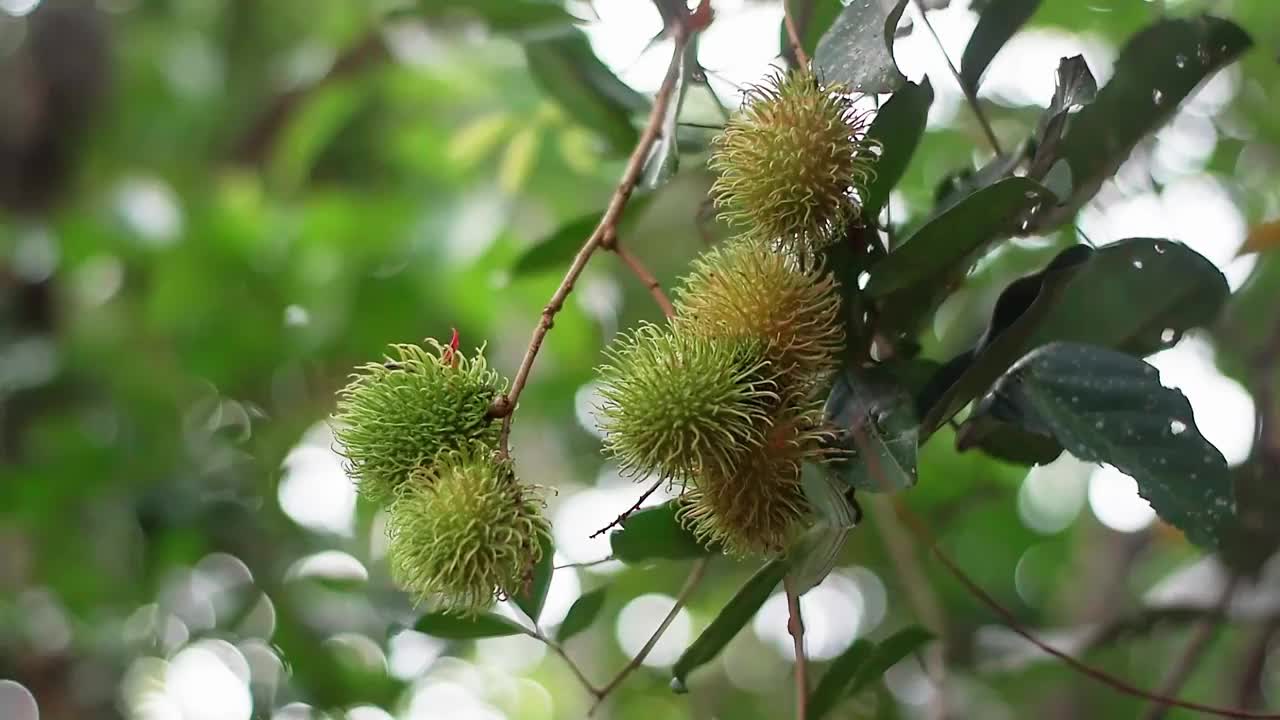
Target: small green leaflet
{"type": "Point", "coordinates": [458, 627]}
{"type": "Point", "coordinates": [581, 614]}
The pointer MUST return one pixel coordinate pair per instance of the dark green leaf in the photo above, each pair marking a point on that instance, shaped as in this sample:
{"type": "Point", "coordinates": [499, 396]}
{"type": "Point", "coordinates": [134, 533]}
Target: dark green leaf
{"type": "Point", "coordinates": [581, 614]}
{"type": "Point", "coordinates": [1158, 67]}
{"type": "Point", "coordinates": [457, 627]}
{"type": "Point", "coordinates": [946, 244]}
{"type": "Point", "coordinates": [862, 402]}
{"type": "Point", "coordinates": [654, 533]}
{"type": "Point", "coordinates": [1108, 407]}
{"type": "Point", "coordinates": [815, 554]}
{"type": "Point", "coordinates": [505, 15]}
{"type": "Point", "coordinates": [735, 616]}
{"type": "Point", "coordinates": [821, 15]}
{"type": "Point", "coordinates": [837, 679]}
{"type": "Point", "coordinates": [1138, 296]}
{"type": "Point", "coordinates": [888, 653]}
{"type": "Point", "coordinates": [1017, 313]}
{"type": "Point", "coordinates": [857, 51]}
{"type": "Point", "coordinates": [534, 595]}
{"type": "Point", "coordinates": [999, 21]}
{"type": "Point", "coordinates": [1075, 87]}
{"type": "Point", "coordinates": [568, 69]}
{"type": "Point", "coordinates": [1006, 442]}
{"type": "Point", "coordinates": [898, 128]}
{"type": "Point", "coordinates": [556, 250]}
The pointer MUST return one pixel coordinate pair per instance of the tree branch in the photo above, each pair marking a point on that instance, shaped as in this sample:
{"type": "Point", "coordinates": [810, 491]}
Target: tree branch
{"type": "Point", "coordinates": [695, 576]}
{"type": "Point", "coordinates": [642, 273]}
{"type": "Point", "coordinates": [628, 512]}
{"type": "Point", "coordinates": [969, 94]}
{"type": "Point", "coordinates": [504, 406]}
{"type": "Point", "coordinates": [795, 626]}
{"type": "Point", "coordinates": [797, 46]}
{"type": "Point", "coordinates": [1201, 635]}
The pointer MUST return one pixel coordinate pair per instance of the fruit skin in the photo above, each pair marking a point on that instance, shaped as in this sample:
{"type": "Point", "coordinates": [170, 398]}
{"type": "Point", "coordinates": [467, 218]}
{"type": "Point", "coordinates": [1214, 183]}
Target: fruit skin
{"type": "Point", "coordinates": [744, 288]}
{"type": "Point", "coordinates": [792, 163]}
{"type": "Point", "coordinates": [677, 404]}
{"type": "Point", "coordinates": [464, 531]}
{"type": "Point", "coordinates": [759, 507]}
{"type": "Point", "coordinates": [395, 416]}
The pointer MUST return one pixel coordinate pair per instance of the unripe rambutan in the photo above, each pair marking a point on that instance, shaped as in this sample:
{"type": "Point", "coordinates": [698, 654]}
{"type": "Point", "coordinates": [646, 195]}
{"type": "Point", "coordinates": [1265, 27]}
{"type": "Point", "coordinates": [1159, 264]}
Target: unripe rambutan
{"type": "Point", "coordinates": [792, 162]}
{"type": "Point", "coordinates": [676, 404]}
{"type": "Point", "coordinates": [759, 506]}
{"type": "Point", "coordinates": [744, 288]}
{"type": "Point", "coordinates": [463, 531]}
{"type": "Point", "coordinates": [395, 416]}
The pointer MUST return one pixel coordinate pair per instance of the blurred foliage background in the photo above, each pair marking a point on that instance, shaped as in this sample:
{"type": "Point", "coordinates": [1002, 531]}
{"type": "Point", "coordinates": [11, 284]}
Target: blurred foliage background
{"type": "Point", "coordinates": [210, 210]}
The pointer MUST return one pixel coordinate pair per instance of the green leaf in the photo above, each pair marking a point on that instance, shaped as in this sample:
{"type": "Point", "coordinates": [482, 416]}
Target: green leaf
{"type": "Point", "coordinates": [865, 402]}
{"type": "Point", "coordinates": [664, 159]}
{"type": "Point", "coordinates": [1000, 20]}
{"type": "Point", "coordinates": [1156, 70]}
{"type": "Point", "coordinates": [898, 127]}
{"type": "Point", "coordinates": [1006, 442]}
{"type": "Point", "coordinates": [815, 554]}
{"type": "Point", "coordinates": [1074, 87]}
{"type": "Point", "coordinates": [888, 653]}
{"type": "Point", "coordinates": [652, 534]}
{"type": "Point", "coordinates": [568, 69]}
{"type": "Point", "coordinates": [1138, 296]}
{"type": "Point", "coordinates": [947, 243]}
{"type": "Point", "coordinates": [556, 250]}
{"type": "Point", "coordinates": [1017, 314]}
{"type": "Point", "coordinates": [458, 627]}
{"type": "Point", "coordinates": [1108, 407]}
{"type": "Point", "coordinates": [535, 593]}
{"type": "Point", "coordinates": [504, 15]}
{"type": "Point", "coordinates": [838, 678]}
{"type": "Point", "coordinates": [857, 51]}
{"type": "Point", "coordinates": [581, 614]}
{"type": "Point", "coordinates": [735, 615]}
{"type": "Point", "coordinates": [821, 15]}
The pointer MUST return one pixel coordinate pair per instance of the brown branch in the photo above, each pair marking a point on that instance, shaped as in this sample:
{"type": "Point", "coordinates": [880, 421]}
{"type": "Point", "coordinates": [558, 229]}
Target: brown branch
{"type": "Point", "coordinates": [797, 46]}
{"type": "Point", "coordinates": [504, 406]}
{"type": "Point", "coordinates": [1254, 663]}
{"type": "Point", "coordinates": [1201, 635]}
{"type": "Point", "coordinates": [695, 576]}
{"type": "Point", "coordinates": [642, 273]}
{"type": "Point", "coordinates": [256, 144]}
{"type": "Point", "coordinates": [628, 512]}
{"type": "Point", "coordinates": [795, 626]}
{"type": "Point", "coordinates": [969, 93]}
{"type": "Point", "coordinates": [1011, 621]}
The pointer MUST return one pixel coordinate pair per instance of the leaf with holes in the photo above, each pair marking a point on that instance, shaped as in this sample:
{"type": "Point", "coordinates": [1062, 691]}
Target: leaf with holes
{"type": "Point", "coordinates": [655, 534]}
{"type": "Point", "coordinates": [568, 70]}
{"type": "Point", "coordinates": [735, 616]}
{"type": "Point", "coordinates": [870, 413]}
{"type": "Point", "coordinates": [534, 595]}
{"type": "Point", "coordinates": [1074, 88]}
{"type": "Point", "coordinates": [581, 614]}
{"type": "Point", "coordinates": [857, 50]}
{"type": "Point", "coordinates": [459, 627]}
{"type": "Point", "coordinates": [999, 21]}
{"type": "Point", "coordinates": [1156, 70]}
{"type": "Point", "coordinates": [1108, 407]}
{"type": "Point", "coordinates": [1138, 296]}
{"type": "Point", "coordinates": [897, 129]}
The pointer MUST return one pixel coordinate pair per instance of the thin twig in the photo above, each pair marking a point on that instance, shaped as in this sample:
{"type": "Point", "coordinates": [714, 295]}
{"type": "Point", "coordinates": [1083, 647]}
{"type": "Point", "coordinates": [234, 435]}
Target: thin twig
{"type": "Point", "coordinates": [504, 405]}
{"type": "Point", "coordinates": [964, 88]}
{"type": "Point", "coordinates": [795, 626]}
{"type": "Point", "coordinates": [555, 647]}
{"type": "Point", "coordinates": [695, 576]}
{"type": "Point", "coordinates": [642, 273]}
{"type": "Point", "coordinates": [1201, 635]}
{"type": "Point", "coordinates": [1254, 663]}
{"type": "Point", "coordinates": [1011, 621]}
{"type": "Point", "coordinates": [797, 46]}
{"type": "Point", "coordinates": [628, 512]}
{"type": "Point", "coordinates": [589, 563]}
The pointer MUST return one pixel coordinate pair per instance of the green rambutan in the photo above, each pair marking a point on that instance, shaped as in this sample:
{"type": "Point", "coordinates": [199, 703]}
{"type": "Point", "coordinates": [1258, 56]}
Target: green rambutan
{"type": "Point", "coordinates": [397, 415]}
{"type": "Point", "coordinates": [744, 288]}
{"type": "Point", "coordinates": [464, 531]}
{"type": "Point", "coordinates": [678, 404]}
{"type": "Point", "coordinates": [759, 507]}
{"type": "Point", "coordinates": [792, 162]}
